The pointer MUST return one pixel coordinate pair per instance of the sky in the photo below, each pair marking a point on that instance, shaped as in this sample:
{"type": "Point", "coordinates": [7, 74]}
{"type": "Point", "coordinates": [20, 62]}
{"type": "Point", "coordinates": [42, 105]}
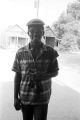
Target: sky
{"type": "Point", "coordinates": [21, 11]}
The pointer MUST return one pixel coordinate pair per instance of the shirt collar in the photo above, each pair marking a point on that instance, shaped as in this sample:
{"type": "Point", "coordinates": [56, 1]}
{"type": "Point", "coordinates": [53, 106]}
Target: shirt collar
{"type": "Point", "coordinates": [43, 48]}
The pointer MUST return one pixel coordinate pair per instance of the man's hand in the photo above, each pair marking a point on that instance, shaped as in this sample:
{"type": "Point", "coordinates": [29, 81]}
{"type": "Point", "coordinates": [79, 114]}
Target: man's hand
{"type": "Point", "coordinates": [45, 76]}
{"type": "Point", "coordinates": [17, 104]}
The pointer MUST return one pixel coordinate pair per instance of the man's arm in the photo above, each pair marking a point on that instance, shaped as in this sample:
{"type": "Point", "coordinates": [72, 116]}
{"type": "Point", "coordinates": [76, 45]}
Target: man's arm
{"type": "Point", "coordinates": [52, 71]}
{"type": "Point", "coordinates": [17, 81]}
{"type": "Point", "coordinates": [53, 67]}
{"type": "Point", "coordinates": [49, 75]}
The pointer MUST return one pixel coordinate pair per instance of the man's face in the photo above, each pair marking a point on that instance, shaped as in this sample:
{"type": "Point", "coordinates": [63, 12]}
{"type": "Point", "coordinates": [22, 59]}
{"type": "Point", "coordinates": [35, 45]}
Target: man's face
{"type": "Point", "coordinates": [35, 33]}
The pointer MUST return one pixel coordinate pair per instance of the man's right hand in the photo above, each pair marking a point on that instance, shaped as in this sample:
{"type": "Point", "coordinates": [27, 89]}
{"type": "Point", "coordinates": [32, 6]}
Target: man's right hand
{"type": "Point", "coordinates": [17, 104]}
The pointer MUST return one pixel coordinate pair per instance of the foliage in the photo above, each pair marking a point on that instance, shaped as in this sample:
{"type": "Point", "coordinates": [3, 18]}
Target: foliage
{"type": "Point", "coordinates": [69, 42]}
{"type": "Point", "coordinates": [65, 18]}
{"type": "Point", "coordinates": [74, 10]}
{"type": "Point", "coordinates": [58, 30]}
{"type": "Point", "coordinates": [67, 28]}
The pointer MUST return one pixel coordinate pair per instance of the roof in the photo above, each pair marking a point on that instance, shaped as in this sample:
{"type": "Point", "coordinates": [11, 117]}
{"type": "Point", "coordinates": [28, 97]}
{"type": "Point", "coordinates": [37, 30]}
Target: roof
{"type": "Point", "coordinates": [48, 32]}
{"type": "Point", "coordinates": [16, 30]}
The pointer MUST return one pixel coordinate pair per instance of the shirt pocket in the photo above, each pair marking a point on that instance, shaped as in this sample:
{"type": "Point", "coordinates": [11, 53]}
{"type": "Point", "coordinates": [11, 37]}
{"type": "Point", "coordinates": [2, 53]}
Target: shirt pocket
{"type": "Point", "coordinates": [42, 65]}
{"type": "Point", "coordinates": [26, 66]}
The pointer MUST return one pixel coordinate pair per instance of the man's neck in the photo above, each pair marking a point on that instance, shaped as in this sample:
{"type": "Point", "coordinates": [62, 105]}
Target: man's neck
{"type": "Point", "coordinates": [35, 45]}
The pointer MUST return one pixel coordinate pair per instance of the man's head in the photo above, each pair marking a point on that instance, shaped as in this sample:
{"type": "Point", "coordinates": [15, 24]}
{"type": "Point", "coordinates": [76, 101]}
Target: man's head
{"type": "Point", "coordinates": [35, 29]}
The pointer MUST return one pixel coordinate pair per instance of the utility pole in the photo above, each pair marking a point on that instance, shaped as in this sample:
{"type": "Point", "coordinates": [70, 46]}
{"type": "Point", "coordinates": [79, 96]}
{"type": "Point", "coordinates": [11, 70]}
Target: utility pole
{"type": "Point", "coordinates": [36, 5]}
{"type": "Point", "coordinates": [38, 9]}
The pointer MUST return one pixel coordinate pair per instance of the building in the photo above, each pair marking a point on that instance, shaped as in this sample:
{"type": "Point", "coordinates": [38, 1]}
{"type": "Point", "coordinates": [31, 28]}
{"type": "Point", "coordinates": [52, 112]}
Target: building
{"type": "Point", "coordinates": [14, 37]}
{"type": "Point", "coordinates": [49, 36]}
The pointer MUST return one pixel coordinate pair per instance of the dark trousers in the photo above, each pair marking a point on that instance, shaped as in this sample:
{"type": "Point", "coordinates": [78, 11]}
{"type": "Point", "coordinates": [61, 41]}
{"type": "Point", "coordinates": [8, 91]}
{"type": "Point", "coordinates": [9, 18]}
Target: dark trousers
{"type": "Point", "coordinates": [38, 112]}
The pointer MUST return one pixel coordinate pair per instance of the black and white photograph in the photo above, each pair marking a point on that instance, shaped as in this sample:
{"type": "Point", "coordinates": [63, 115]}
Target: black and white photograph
{"type": "Point", "coordinates": [40, 59]}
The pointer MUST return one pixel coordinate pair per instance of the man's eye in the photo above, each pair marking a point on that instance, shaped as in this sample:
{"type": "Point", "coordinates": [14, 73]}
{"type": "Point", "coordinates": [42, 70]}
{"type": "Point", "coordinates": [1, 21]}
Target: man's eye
{"type": "Point", "coordinates": [31, 32]}
{"type": "Point", "coordinates": [38, 32]}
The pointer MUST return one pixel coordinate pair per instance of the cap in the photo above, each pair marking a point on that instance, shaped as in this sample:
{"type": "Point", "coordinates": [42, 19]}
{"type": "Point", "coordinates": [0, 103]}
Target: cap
{"type": "Point", "coordinates": [35, 22]}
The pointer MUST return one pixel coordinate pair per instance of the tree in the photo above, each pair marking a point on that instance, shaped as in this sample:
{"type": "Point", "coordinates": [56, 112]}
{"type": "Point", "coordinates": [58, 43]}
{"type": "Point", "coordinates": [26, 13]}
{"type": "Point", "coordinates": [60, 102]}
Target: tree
{"type": "Point", "coordinates": [65, 18]}
{"type": "Point", "coordinates": [58, 29]}
{"type": "Point", "coordinates": [69, 42]}
{"type": "Point", "coordinates": [67, 27]}
{"type": "Point", "coordinates": [74, 9]}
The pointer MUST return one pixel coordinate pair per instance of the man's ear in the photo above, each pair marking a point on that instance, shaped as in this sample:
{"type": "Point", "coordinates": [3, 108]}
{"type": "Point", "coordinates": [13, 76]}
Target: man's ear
{"type": "Point", "coordinates": [43, 33]}
{"type": "Point", "coordinates": [28, 32]}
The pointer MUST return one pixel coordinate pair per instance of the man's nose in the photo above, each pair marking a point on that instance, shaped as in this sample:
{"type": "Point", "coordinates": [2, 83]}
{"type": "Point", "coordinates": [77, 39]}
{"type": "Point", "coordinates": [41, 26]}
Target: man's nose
{"type": "Point", "coordinates": [35, 33]}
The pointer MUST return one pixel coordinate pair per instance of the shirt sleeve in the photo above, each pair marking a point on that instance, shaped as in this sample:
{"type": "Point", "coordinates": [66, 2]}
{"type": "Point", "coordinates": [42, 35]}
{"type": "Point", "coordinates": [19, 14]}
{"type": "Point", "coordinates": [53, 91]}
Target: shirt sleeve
{"type": "Point", "coordinates": [53, 66]}
{"type": "Point", "coordinates": [16, 64]}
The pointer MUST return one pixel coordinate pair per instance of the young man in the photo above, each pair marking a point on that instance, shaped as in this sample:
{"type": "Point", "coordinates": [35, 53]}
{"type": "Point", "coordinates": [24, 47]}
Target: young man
{"type": "Point", "coordinates": [35, 64]}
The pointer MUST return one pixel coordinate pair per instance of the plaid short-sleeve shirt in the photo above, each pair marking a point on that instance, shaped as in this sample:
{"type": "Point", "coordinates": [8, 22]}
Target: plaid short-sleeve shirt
{"type": "Point", "coordinates": [25, 64]}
